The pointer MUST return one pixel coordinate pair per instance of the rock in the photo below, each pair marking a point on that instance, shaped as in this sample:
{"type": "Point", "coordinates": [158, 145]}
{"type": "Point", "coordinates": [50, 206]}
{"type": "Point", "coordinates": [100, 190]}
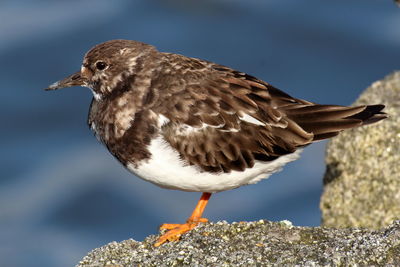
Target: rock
{"type": "Point", "coordinates": [259, 243]}
{"type": "Point", "coordinates": [362, 180]}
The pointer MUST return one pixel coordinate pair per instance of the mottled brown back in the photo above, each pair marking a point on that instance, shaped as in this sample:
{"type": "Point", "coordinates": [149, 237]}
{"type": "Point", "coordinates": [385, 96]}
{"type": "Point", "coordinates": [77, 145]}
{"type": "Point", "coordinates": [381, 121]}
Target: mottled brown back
{"type": "Point", "coordinates": [205, 101]}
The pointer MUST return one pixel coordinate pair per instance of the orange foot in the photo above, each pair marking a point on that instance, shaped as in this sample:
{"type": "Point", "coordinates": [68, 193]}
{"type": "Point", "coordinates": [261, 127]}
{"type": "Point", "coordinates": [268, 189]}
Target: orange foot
{"type": "Point", "coordinates": [176, 230]}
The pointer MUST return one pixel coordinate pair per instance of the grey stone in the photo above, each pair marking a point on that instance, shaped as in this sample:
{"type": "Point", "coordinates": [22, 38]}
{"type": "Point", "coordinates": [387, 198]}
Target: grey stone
{"type": "Point", "coordinates": [259, 243]}
{"type": "Point", "coordinates": [362, 181]}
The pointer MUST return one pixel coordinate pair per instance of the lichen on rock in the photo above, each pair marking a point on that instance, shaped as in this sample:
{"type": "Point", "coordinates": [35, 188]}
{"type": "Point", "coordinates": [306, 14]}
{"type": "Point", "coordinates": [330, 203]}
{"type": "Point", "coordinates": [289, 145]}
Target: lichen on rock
{"type": "Point", "coordinates": [260, 243]}
{"type": "Point", "coordinates": [362, 180]}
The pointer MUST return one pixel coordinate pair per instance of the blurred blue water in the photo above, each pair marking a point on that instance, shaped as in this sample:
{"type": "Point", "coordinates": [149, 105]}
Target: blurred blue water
{"type": "Point", "coordinates": [62, 194]}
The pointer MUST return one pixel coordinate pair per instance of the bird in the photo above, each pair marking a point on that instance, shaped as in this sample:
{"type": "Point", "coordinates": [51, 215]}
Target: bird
{"type": "Point", "coordinates": [193, 125]}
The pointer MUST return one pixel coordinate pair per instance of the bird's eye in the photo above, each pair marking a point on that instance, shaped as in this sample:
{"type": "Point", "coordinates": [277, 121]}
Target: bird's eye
{"type": "Point", "coordinates": [101, 65]}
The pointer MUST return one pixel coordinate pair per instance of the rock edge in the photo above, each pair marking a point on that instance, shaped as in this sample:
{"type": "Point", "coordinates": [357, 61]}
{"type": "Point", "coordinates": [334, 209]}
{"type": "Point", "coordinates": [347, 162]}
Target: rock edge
{"type": "Point", "coordinates": [260, 243]}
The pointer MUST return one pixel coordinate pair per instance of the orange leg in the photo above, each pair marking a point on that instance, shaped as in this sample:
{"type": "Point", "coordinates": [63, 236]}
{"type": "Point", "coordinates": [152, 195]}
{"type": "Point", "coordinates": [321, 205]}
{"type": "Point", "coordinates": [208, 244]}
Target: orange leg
{"type": "Point", "coordinates": [176, 230]}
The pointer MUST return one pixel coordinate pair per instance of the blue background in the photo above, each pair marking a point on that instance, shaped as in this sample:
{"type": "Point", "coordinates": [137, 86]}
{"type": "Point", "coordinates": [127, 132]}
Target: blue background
{"type": "Point", "coordinates": [62, 194]}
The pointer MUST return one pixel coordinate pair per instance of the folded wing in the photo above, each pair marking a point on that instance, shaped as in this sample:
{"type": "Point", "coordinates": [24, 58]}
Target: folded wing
{"type": "Point", "coordinates": [223, 120]}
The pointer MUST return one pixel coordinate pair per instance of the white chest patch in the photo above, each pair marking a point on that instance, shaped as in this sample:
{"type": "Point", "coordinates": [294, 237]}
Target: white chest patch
{"type": "Point", "coordinates": [167, 170]}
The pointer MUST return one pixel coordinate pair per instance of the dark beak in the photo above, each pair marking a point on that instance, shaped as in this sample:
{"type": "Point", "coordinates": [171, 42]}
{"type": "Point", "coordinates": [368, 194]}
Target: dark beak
{"type": "Point", "coordinates": [73, 80]}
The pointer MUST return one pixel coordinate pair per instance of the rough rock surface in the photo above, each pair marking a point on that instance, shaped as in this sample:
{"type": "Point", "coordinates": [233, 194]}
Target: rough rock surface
{"type": "Point", "coordinates": [259, 243]}
{"type": "Point", "coordinates": [362, 181]}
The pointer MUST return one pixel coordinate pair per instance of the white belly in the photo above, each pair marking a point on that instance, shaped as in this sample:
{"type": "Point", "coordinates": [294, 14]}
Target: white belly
{"type": "Point", "coordinates": [167, 170]}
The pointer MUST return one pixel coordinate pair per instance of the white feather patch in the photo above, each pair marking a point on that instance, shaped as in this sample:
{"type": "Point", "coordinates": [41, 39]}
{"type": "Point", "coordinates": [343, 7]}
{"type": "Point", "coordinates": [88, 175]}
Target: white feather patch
{"type": "Point", "coordinates": [96, 96]}
{"type": "Point", "coordinates": [250, 119]}
{"type": "Point", "coordinates": [166, 169]}
{"type": "Point", "coordinates": [162, 120]}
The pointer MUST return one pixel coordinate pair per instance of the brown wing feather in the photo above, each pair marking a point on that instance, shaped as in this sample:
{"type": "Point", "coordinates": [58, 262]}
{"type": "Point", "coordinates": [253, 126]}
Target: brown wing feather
{"type": "Point", "coordinates": [205, 110]}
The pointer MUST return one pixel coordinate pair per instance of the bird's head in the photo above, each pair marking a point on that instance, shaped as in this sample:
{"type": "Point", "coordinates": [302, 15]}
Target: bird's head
{"type": "Point", "coordinates": [108, 67]}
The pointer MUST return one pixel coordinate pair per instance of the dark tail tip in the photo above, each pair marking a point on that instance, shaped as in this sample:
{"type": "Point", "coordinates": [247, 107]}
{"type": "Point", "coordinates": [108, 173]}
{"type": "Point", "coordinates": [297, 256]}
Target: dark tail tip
{"type": "Point", "coordinates": [371, 114]}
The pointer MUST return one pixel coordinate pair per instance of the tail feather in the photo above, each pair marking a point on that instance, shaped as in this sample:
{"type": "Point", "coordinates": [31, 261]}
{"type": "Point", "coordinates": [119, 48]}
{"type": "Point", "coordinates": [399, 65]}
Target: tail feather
{"type": "Point", "coordinates": [326, 121]}
{"type": "Point", "coordinates": [370, 114]}
{"type": "Point", "coordinates": [321, 113]}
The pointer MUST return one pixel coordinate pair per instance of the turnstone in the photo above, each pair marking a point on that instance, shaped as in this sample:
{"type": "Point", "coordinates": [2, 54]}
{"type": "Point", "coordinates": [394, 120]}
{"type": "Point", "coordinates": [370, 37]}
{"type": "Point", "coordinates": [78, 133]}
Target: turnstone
{"type": "Point", "coordinates": [193, 125]}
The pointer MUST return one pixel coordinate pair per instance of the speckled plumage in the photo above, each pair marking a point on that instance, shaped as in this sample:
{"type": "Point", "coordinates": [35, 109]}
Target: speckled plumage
{"type": "Point", "coordinates": [215, 119]}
